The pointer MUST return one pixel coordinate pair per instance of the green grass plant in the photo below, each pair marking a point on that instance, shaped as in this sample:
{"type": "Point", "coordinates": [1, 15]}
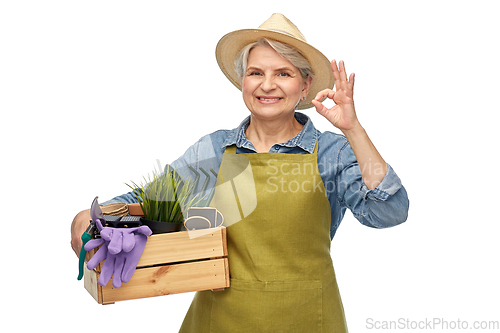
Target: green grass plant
{"type": "Point", "coordinates": [165, 196]}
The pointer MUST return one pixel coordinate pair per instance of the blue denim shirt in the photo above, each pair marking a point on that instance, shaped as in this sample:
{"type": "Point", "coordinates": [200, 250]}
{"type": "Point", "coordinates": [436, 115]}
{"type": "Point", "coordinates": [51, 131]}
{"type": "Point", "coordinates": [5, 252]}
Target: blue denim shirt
{"type": "Point", "coordinates": [385, 206]}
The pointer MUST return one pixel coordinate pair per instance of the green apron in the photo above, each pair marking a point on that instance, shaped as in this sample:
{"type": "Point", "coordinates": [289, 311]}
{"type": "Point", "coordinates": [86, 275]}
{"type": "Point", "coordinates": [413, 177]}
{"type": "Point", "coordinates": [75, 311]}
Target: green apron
{"type": "Point", "coordinates": [282, 276]}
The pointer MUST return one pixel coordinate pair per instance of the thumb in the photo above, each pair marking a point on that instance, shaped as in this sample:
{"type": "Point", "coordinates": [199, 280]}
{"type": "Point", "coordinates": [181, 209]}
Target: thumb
{"type": "Point", "coordinates": [115, 246]}
{"type": "Point", "coordinates": [128, 239]}
{"type": "Point", "coordinates": [320, 108]}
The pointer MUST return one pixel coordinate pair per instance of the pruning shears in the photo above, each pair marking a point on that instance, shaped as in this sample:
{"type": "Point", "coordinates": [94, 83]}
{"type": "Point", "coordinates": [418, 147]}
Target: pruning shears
{"type": "Point", "coordinates": [95, 214]}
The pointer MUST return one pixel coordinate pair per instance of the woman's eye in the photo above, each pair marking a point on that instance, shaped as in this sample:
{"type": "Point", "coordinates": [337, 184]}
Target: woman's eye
{"type": "Point", "coordinates": [284, 74]}
{"type": "Point", "coordinates": [255, 73]}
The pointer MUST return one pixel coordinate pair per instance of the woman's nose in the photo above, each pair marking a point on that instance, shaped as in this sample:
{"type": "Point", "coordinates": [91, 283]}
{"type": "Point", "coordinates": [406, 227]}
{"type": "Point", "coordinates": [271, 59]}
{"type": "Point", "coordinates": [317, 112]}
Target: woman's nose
{"type": "Point", "coordinates": [268, 83]}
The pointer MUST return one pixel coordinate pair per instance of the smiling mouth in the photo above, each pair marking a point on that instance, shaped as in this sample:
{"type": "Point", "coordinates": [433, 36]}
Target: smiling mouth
{"type": "Point", "coordinates": [273, 99]}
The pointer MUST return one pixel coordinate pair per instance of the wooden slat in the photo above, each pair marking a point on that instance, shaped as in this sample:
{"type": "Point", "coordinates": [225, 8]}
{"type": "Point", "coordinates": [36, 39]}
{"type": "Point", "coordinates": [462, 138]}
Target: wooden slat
{"type": "Point", "coordinates": [184, 246]}
{"type": "Point", "coordinates": [170, 279]}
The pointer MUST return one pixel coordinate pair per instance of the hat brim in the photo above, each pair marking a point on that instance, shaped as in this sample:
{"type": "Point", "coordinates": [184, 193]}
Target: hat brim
{"type": "Point", "coordinates": [231, 44]}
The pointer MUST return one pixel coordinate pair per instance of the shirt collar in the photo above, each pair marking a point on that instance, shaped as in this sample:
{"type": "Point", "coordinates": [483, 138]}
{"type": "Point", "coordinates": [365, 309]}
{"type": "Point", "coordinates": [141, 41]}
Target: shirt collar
{"type": "Point", "coordinates": [306, 139]}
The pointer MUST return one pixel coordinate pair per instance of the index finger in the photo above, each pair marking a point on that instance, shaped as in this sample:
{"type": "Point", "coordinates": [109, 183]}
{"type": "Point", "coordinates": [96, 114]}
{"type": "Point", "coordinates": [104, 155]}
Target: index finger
{"type": "Point", "coordinates": [325, 93]}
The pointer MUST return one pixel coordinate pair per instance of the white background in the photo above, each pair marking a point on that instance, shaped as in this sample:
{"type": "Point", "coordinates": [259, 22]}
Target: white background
{"type": "Point", "coordinates": [92, 93]}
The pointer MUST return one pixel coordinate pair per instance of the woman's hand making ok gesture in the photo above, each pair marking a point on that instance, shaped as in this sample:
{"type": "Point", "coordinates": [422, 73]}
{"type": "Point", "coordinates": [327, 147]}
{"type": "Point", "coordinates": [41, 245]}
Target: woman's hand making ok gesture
{"type": "Point", "coordinates": [342, 115]}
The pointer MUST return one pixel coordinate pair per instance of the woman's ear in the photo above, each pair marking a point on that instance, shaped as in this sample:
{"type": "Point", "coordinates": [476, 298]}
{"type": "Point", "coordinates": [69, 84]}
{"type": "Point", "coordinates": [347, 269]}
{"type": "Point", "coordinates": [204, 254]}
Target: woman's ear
{"type": "Point", "coordinates": [307, 85]}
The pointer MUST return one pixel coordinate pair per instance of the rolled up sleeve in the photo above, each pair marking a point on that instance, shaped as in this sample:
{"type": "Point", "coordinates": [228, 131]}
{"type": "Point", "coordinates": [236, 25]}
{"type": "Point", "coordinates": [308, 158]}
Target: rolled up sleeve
{"type": "Point", "coordinates": [389, 186]}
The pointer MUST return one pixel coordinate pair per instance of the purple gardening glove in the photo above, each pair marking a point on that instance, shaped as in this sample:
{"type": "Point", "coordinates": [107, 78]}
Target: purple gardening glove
{"type": "Point", "coordinates": [125, 248]}
{"type": "Point", "coordinates": [101, 254]}
{"type": "Point", "coordinates": [122, 248]}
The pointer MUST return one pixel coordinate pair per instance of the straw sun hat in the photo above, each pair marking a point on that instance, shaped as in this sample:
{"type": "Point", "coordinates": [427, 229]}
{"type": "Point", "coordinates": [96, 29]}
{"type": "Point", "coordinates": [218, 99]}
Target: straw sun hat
{"type": "Point", "coordinates": [281, 29]}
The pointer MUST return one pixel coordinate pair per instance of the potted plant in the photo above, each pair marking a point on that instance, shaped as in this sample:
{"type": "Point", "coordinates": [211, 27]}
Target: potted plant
{"type": "Point", "coordinates": [163, 199]}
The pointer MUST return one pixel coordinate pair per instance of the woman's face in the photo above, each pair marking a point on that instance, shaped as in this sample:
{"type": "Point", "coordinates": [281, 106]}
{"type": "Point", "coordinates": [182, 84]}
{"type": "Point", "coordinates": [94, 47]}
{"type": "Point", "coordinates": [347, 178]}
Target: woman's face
{"type": "Point", "coordinates": [272, 86]}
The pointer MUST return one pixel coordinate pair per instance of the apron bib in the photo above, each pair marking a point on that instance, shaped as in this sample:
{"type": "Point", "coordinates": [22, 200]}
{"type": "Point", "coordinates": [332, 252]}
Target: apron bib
{"type": "Point", "coordinates": [278, 218]}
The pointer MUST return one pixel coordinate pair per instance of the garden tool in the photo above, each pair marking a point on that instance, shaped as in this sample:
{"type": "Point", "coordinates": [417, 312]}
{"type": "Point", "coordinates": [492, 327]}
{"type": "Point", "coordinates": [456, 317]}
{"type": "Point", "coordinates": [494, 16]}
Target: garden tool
{"type": "Point", "coordinates": [95, 214]}
{"type": "Point", "coordinates": [86, 236]}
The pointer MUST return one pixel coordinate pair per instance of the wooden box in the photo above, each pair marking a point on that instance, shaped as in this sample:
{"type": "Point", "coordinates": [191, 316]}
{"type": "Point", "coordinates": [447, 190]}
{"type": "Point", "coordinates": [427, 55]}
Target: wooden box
{"type": "Point", "coordinates": [171, 263]}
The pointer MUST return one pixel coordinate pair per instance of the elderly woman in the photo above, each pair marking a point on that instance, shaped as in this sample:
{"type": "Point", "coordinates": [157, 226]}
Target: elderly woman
{"type": "Point", "coordinates": [289, 186]}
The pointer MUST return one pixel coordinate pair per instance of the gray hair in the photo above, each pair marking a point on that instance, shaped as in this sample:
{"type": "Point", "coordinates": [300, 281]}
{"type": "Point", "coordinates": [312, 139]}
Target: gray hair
{"type": "Point", "coordinates": [287, 52]}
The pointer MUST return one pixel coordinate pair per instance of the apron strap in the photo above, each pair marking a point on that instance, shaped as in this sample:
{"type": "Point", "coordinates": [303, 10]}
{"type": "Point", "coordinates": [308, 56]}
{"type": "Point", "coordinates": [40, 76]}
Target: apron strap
{"type": "Point", "coordinates": [230, 149]}
{"type": "Point", "coordinates": [316, 147]}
